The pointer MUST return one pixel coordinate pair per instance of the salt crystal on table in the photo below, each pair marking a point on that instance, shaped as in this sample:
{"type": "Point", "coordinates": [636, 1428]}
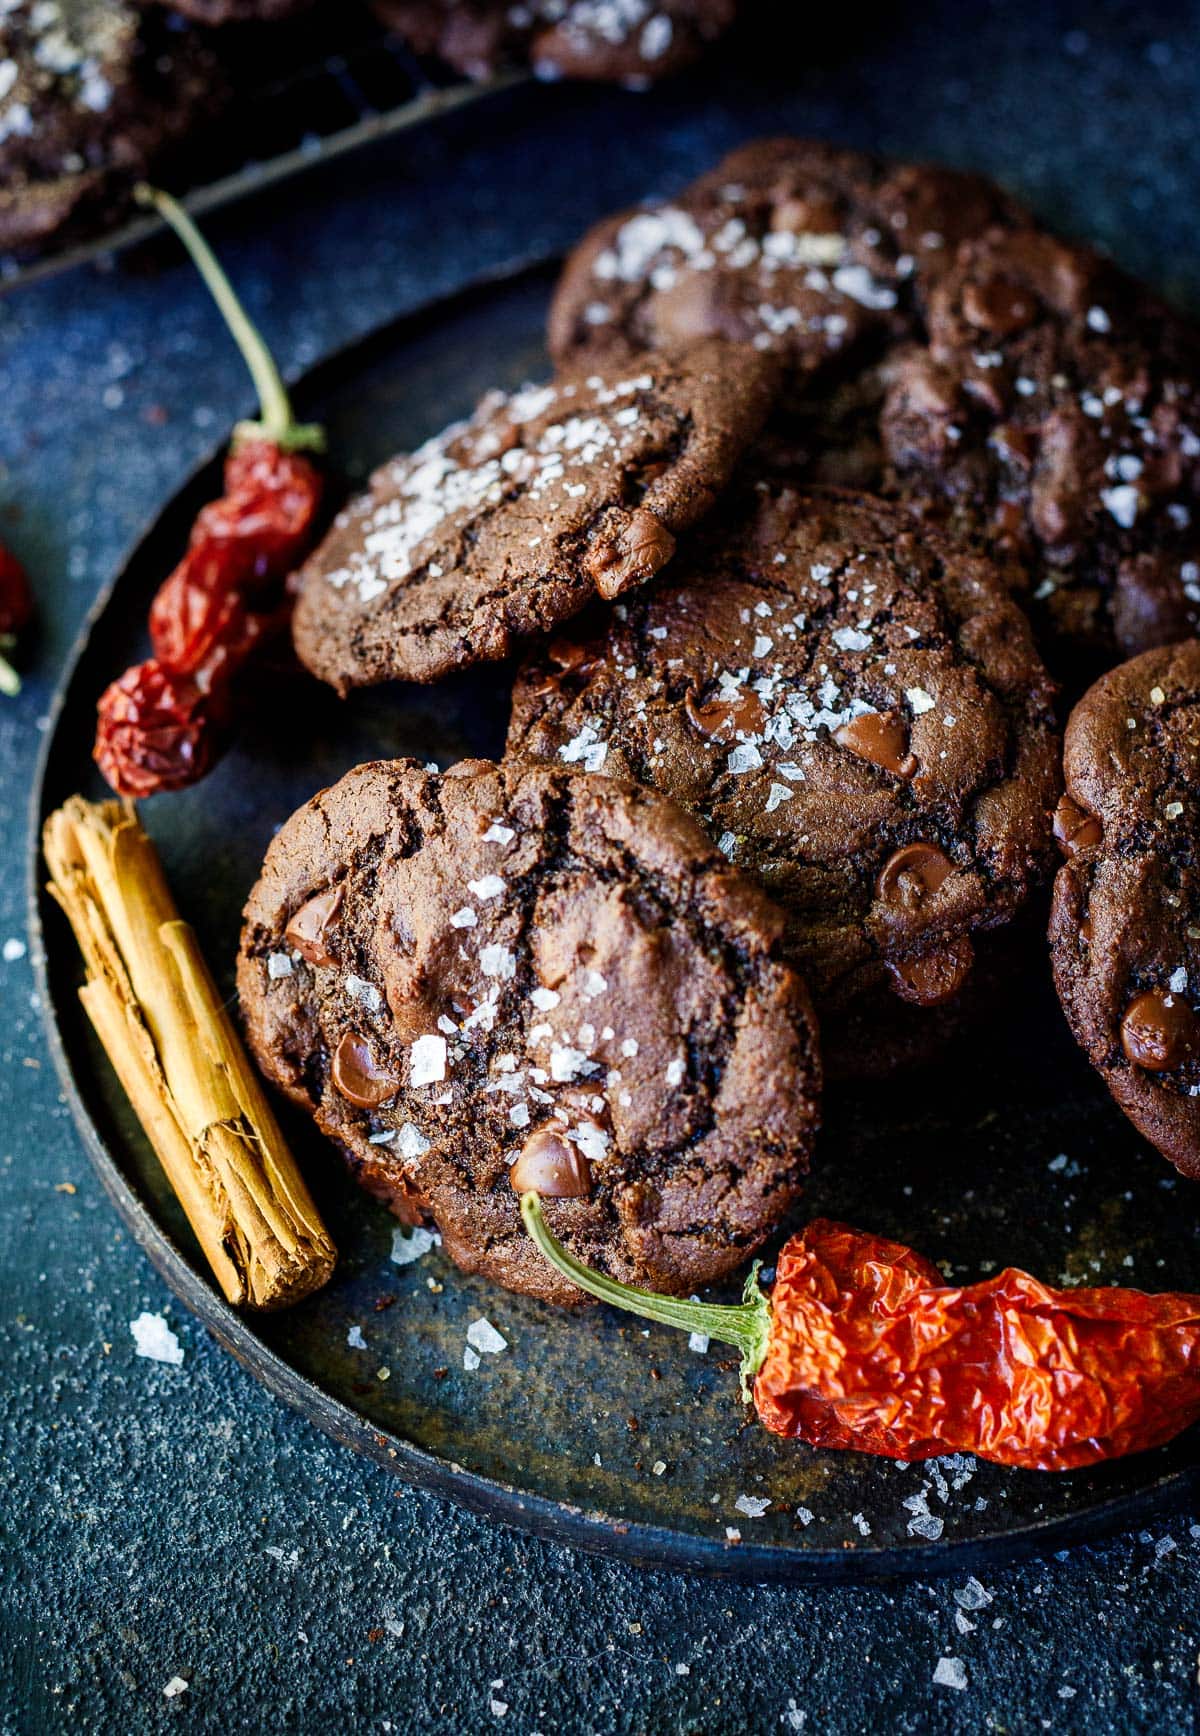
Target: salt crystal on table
{"type": "Point", "coordinates": [174, 1688]}
{"type": "Point", "coordinates": [950, 1673]}
{"type": "Point", "coordinates": [153, 1338]}
{"type": "Point", "coordinates": [355, 1339]}
{"type": "Point", "coordinates": [698, 1341]}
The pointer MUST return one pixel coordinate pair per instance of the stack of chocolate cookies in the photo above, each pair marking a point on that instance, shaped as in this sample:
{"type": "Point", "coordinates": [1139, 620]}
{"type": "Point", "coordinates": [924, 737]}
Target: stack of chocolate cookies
{"type": "Point", "coordinates": [842, 460]}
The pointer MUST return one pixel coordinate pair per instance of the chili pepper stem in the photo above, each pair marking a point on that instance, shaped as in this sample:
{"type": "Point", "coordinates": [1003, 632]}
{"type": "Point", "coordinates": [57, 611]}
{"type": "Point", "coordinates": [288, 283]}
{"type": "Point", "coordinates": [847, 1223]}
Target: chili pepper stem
{"type": "Point", "coordinates": [277, 422]}
{"type": "Point", "coordinates": [746, 1326]}
{"type": "Point", "coordinates": [10, 681]}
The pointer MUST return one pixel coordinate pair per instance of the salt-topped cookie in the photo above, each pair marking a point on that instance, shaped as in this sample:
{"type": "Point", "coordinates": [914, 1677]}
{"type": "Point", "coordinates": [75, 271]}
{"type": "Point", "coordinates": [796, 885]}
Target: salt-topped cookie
{"type": "Point", "coordinates": [521, 976]}
{"type": "Point", "coordinates": [1053, 409]}
{"type": "Point", "coordinates": [854, 710]}
{"type": "Point", "coordinates": [1125, 925]}
{"type": "Point", "coordinates": [91, 93]}
{"type": "Point", "coordinates": [509, 523]}
{"type": "Point", "coordinates": [790, 245]}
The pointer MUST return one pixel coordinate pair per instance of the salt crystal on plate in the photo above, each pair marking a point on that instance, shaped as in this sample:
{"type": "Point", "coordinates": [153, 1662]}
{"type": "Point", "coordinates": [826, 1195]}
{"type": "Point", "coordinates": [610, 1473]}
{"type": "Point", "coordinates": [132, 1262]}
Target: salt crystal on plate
{"type": "Point", "coordinates": [411, 1245]}
{"type": "Point", "coordinates": [153, 1339]}
{"type": "Point", "coordinates": [174, 1688]}
{"type": "Point", "coordinates": [753, 1506]}
{"type": "Point", "coordinates": [482, 1336]}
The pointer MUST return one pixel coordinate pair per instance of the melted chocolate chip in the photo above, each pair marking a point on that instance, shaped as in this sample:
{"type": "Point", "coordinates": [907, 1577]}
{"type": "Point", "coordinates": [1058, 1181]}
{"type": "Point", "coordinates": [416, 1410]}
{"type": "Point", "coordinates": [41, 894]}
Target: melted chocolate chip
{"type": "Point", "coordinates": [1074, 828]}
{"type": "Point", "coordinates": [356, 1076]}
{"type": "Point", "coordinates": [880, 737]}
{"type": "Point", "coordinates": [1159, 1031]}
{"type": "Point", "coordinates": [928, 981]}
{"type": "Point", "coordinates": [642, 548]}
{"type": "Point", "coordinates": [724, 718]}
{"type": "Point", "coordinates": [913, 874]}
{"type": "Point", "coordinates": [550, 1165]}
{"type": "Point", "coordinates": [308, 928]}
{"type": "Point", "coordinates": [998, 305]}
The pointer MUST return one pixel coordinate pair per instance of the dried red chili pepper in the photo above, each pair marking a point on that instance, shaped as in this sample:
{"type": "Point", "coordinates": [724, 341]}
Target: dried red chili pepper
{"type": "Point", "coordinates": [862, 1345]}
{"type": "Point", "coordinates": [165, 722]}
{"type": "Point", "coordinates": [16, 608]}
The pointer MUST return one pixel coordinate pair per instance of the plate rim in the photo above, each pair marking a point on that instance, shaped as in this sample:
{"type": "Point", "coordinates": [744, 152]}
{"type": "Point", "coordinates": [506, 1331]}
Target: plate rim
{"type": "Point", "coordinates": [635, 1542]}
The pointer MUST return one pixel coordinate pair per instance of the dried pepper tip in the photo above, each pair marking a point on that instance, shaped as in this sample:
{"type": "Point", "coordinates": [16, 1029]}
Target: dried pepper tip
{"type": "Point", "coordinates": [746, 1326]}
{"type": "Point", "coordinates": [277, 423]}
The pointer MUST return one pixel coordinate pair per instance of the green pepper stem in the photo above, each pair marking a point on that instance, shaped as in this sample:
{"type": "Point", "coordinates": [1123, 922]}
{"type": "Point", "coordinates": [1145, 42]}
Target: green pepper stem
{"type": "Point", "coordinates": [277, 422]}
{"type": "Point", "coordinates": [746, 1326]}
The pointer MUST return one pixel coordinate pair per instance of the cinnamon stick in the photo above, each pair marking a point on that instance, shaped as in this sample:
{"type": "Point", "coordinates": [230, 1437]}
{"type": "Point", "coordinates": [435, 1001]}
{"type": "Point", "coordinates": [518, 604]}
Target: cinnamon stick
{"type": "Point", "coordinates": [156, 1010]}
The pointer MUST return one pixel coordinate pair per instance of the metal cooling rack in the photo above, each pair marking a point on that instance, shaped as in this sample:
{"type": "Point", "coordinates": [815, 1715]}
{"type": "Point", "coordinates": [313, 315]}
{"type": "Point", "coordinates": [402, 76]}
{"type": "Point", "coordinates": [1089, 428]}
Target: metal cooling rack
{"type": "Point", "coordinates": [297, 102]}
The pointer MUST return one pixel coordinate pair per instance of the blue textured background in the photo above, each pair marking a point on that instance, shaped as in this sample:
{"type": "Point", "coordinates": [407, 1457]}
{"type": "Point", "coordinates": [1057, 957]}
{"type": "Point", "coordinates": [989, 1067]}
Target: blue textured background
{"type": "Point", "coordinates": [160, 1521]}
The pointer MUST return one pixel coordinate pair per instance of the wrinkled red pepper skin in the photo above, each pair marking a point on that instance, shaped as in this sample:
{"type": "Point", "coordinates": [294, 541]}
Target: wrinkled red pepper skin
{"type": "Point", "coordinates": [870, 1350]}
{"type": "Point", "coordinates": [16, 596]}
{"type": "Point", "coordinates": [165, 723]}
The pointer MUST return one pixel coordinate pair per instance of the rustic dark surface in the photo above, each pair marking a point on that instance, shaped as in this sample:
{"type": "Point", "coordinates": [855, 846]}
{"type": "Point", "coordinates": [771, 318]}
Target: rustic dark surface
{"type": "Point", "coordinates": [174, 1521]}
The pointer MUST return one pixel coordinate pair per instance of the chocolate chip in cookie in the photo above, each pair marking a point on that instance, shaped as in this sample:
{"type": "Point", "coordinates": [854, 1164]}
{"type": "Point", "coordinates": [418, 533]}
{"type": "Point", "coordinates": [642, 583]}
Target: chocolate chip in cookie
{"type": "Point", "coordinates": [506, 525]}
{"type": "Point", "coordinates": [1125, 923]}
{"type": "Point", "coordinates": [521, 976]}
{"type": "Point", "coordinates": [854, 709]}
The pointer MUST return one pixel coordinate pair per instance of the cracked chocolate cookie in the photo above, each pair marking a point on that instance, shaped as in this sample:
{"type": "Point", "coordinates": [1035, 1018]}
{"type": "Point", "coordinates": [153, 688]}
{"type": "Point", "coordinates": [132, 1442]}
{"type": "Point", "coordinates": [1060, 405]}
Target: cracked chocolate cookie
{"type": "Point", "coordinates": [1053, 409]}
{"type": "Point", "coordinates": [509, 523]}
{"type": "Point", "coordinates": [854, 709]}
{"type": "Point", "coordinates": [515, 977]}
{"type": "Point", "coordinates": [630, 42]}
{"type": "Point", "coordinates": [92, 92]}
{"type": "Point", "coordinates": [1125, 923]}
{"type": "Point", "coordinates": [821, 254]}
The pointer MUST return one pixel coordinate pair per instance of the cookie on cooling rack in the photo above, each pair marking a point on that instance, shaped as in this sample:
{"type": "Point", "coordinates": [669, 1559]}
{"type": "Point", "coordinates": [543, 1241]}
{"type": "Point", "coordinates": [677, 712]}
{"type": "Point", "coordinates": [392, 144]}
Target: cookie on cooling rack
{"type": "Point", "coordinates": [630, 42]}
{"type": "Point", "coordinates": [92, 93]}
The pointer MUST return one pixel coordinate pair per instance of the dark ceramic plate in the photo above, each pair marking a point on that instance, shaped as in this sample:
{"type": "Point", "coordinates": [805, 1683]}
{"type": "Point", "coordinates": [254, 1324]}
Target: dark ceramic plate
{"type": "Point", "coordinates": [588, 1429]}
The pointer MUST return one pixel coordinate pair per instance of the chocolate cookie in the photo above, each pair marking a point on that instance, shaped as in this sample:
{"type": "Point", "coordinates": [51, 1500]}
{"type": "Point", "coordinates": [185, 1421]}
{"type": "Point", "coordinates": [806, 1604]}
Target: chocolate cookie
{"type": "Point", "coordinates": [818, 253]}
{"type": "Point", "coordinates": [213, 12]}
{"type": "Point", "coordinates": [509, 523]}
{"type": "Point", "coordinates": [1125, 924]}
{"type": "Point", "coordinates": [92, 92]}
{"type": "Point", "coordinates": [518, 976]}
{"type": "Point", "coordinates": [1054, 409]}
{"type": "Point", "coordinates": [630, 42]}
{"type": "Point", "coordinates": [854, 709]}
